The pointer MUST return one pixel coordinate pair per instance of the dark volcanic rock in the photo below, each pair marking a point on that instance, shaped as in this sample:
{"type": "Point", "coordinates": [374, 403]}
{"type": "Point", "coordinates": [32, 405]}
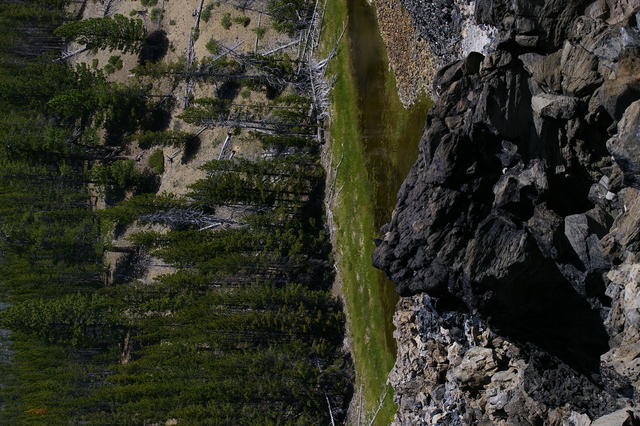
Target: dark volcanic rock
{"type": "Point", "coordinates": [520, 216]}
{"type": "Point", "coordinates": [549, 20]}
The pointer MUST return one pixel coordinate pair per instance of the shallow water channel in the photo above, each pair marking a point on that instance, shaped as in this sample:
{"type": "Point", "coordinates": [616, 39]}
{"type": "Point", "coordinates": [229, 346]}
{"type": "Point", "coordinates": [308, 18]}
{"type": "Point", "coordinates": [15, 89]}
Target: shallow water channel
{"type": "Point", "coordinates": [390, 133]}
{"type": "Point", "coordinates": [375, 139]}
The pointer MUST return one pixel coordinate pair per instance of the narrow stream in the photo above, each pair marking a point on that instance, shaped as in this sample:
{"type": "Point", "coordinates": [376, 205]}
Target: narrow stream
{"type": "Point", "coordinates": [390, 132]}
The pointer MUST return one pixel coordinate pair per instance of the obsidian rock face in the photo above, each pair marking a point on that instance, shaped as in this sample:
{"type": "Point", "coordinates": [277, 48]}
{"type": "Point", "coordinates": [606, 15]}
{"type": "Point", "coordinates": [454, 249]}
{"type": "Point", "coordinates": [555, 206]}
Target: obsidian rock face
{"type": "Point", "coordinates": [518, 212]}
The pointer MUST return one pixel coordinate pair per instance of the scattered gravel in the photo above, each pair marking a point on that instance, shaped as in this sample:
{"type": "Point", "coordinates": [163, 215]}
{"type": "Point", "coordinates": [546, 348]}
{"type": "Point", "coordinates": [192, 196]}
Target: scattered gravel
{"type": "Point", "coordinates": [422, 36]}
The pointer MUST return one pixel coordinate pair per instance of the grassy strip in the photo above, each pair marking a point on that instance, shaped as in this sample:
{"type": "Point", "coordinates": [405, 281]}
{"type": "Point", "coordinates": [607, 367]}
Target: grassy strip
{"type": "Point", "coordinates": [366, 184]}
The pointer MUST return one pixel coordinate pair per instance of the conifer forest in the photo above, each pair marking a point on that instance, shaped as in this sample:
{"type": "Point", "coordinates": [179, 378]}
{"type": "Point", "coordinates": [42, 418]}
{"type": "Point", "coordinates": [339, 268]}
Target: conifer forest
{"type": "Point", "coordinates": [164, 253]}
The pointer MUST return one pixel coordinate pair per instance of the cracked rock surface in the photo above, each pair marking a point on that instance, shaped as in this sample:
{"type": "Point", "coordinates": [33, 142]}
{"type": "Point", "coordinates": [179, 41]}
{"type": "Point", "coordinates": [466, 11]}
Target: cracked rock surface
{"type": "Point", "coordinates": [515, 241]}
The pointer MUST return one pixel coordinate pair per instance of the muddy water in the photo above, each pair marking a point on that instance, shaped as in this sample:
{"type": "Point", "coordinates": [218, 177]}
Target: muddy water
{"type": "Point", "coordinates": [390, 132]}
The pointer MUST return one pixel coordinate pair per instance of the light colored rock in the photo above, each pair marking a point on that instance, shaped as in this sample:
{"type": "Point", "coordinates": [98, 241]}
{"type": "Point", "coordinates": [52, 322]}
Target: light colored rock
{"type": "Point", "coordinates": [526, 40]}
{"type": "Point", "coordinates": [579, 70]}
{"type": "Point", "coordinates": [620, 10]}
{"type": "Point", "coordinates": [554, 106]}
{"type": "Point", "coordinates": [597, 10]}
{"type": "Point", "coordinates": [477, 365]}
{"type": "Point", "coordinates": [577, 419]}
{"type": "Point", "coordinates": [624, 417]}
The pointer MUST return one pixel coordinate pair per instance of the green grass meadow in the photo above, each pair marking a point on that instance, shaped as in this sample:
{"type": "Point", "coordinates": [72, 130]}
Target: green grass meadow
{"type": "Point", "coordinates": [373, 163]}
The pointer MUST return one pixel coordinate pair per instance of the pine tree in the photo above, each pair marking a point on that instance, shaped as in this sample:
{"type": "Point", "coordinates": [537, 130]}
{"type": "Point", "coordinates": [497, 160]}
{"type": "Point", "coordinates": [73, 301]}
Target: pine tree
{"type": "Point", "coordinates": [173, 138]}
{"type": "Point", "coordinates": [115, 32]}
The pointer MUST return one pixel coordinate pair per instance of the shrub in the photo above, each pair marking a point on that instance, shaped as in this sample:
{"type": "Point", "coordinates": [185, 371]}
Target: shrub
{"type": "Point", "coordinates": [173, 138]}
{"type": "Point", "coordinates": [244, 20]}
{"type": "Point", "coordinates": [114, 64]}
{"type": "Point", "coordinates": [156, 14]}
{"type": "Point", "coordinates": [148, 3]}
{"type": "Point", "coordinates": [226, 21]}
{"type": "Point", "coordinates": [156, 161]}
{"type": "Point", "coordinates": [260, 32]}
{"type": "Point", "coordinates": [116, 61]}
{"type": "Point", "coordinates": [119, 174]}
{"type": "Point", "coordinates": [213, 47]}
{"type": "Point", "coordinates": [206, 12]}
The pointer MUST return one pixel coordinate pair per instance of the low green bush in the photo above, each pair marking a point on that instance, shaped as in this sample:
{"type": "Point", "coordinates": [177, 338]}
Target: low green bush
{"type": "Point", "coordinates": [243, 20]}
{"type": "Point", "coordinates": [156, 161]}
{"type": "Point", "coordinates": [226, 21]}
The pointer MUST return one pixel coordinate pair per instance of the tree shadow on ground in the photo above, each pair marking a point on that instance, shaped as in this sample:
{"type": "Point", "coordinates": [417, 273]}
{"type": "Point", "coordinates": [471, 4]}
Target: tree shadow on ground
{"type": "Point", "coordinates": [154, 47]}
{"type": "Point", "coordinates": [191, 148]}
